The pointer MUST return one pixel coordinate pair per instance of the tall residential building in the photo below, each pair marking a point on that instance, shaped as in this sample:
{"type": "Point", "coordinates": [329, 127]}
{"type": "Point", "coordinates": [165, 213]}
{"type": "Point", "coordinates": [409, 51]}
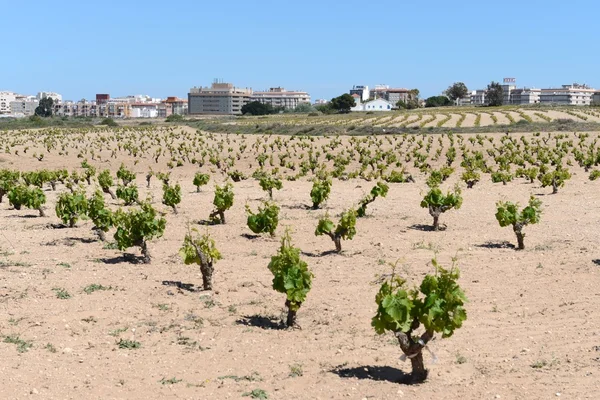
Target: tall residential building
{"type": "Point", "coordinates": [575, 94]}
{"type": "Point", "coordinates": [596, 98]}
{"type": "Point", "coordinates": [5, 99]}
{"type": "Point", "coordinates": [279, 97]}
{"type": "Point", "coordinates": [361, 91]}
{"type": "Point", "coordinates": [54, 96]}
{"type": "Point", "coordinates": [220, 98]}
{"type": "Point", "coordinates": [172, 105]}
{"type": "Point", "coordinates": [24, 105]}
{"type": "Point", "coordinates": [525, 96]}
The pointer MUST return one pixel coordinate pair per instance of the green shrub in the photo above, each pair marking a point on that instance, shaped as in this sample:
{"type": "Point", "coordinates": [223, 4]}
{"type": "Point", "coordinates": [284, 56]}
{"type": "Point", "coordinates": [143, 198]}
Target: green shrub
{"type": "Point", "coordinates": [268, 183]}
{"type": "Point", "coordinates": [438, 203]}
{"type": "Point", "coordinates": [33, 198]}
{"type": "Point", "coordinates": [437, 305]}
{"type": "Point", "coordinates": [265, 220]}
{"type": "Point", "coordinates": [105, 181]}
{"type": "Point", "coordinates": [200, 179]}
{"type": "Point", "coordinates": [200, 250]}
{"type": "Point", "coordinates": [291, 276]}
{"type": "Point", "coordinates": [101, 216]}
{"type": "Point", "coordinates": [129, 194]}
{"type": "Point", "coordinates": [172, 196]}
{"type": "Point", "coordinates": [137, 227]}
{"type": "Point", "coordinates": [222, 201]}
{"type": "Point", "coordinates": [70, 207]}
{"type": "Point", "coordinates": [381, 189]}
{"type": "Point", "coordinates": [345, 229]}
{"type": "Point", "coordinates": [320, 191]}
{"type": "Point", "coordinates": [508, 214]}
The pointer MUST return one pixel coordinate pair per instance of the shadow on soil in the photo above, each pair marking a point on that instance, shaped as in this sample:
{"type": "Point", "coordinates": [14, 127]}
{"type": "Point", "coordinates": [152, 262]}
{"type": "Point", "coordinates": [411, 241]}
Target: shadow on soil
{"type": "Point", "coordinates": [373, 372]}
{"type": "Point", "coordinates": [82, 240]}
{"type": "Point", "coordinates": [425, 228]}
{"type": "Point", "coordinates": [596, 261]}
{"type": "Point", "coordinates": [180, 285]}
{"type": "Point", "coordinates": [261, 322]}
{"type": "Point", "coordinates": [323, 254]}
{"type": "Point", "coordinates": [125, 258]}
{"type": "Point", "coordinates": [496, 245]}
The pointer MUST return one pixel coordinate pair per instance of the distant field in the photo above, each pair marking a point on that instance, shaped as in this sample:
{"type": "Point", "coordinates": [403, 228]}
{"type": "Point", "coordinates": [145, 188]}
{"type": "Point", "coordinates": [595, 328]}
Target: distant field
{"type": "Point", "coordinates": [457, 119]}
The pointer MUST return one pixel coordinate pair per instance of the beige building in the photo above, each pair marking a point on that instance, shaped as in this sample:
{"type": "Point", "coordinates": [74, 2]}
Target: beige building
{"type": "Point", "coordinates": [5, 99]}
{"type": "Point", "coordinates": [572, 95]}
{"type": "Point", "coordinates": [220, 98]}
{"type": "Point", "coordinates": [279, 97]}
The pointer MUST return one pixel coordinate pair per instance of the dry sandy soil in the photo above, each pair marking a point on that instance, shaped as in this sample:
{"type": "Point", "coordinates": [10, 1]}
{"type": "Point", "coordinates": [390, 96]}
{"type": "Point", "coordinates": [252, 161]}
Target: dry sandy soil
{"type": "Point", "coordinates": [533, 328]}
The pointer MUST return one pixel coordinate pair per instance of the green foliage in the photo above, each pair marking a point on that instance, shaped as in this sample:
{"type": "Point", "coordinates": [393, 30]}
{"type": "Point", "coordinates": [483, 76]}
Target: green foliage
{"type": "Point", "coordinates": [136, 227]}
{"type": "Point", "coordinates": [494, 95]}
{"type": "Point", "coordinates": [30, 197]}
{"type": "Point", "coordinates": [343, 103]}
{"type": "Point", "coordinates": [438, 304]}
{"type": "Point", "coordinates": [125, 175]}
{"type": "Point", "coordinates": [269, 182]}
{"type": "Point", "coordinates": [101, 216]}
{"type": "Point", "coordinates": [399, 177]}
{"type": "Point", "coordinates": [380, 189]}
{"type": "Point", "coordinates": [555, 178]}
{"type": "Point", "coordinates": [470, 177]}
{"type": "Point", "coordinates": [258, 108]}
{"type": "Point", "coordinates": [222, 201]}
{"type": "Point", "coordinates": [595, 174]}
{"type": "Point", "coordinates": [89, 171]}
{"type": "Point", "coordinates": [109, 122]}
{"type": "Point", "coordinates": [174, 118]}
{"type": "Point", "coordinates": [508, 213]}
{"type": "Point", "coordinates": [320, 191]}
{"type": "Point", "coordinates": [438, 101]}
{"type": "Point", "coordinates": [129, 194]}
{"type": "Point", "coordinates": [438, 176]}
{"type": "Point", "coordinates": [345, 229]}
{"type": "Point", "coordinates": [105, 180]}
{"type": "Point", "coordinates": [291, 276]}
{"type": "Point", "coordinates": [71, 206]}
{"type": "Point", "coordinates": [172, 196]}
{"type": "Point", "coordinates": [8, 179]}
{"type": "Point", "coordinates": [45, 107]}
{"type": "Point", "coordinates": [501, 176]}
{"type": "Point", "coordinates": [457, 91]}
{"type": "Point", "coordinates": [265, 220]}
{"type": "Point", "coordinates": [200, 179]}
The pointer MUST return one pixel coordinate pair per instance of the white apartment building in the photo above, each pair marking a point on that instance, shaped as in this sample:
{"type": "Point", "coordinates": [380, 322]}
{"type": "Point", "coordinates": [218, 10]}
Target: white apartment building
{"type": "Point", "coordinates": [362, 92]}
{"type": "Point", "coordinates": [525, 96]}
{"type": "Point", "coordinates": [572, 95]}
{"type": "Point", "coordinates": [596, 99]}
{"type": "Point", "coordinates": [478, 97]}
{"type": "Point", "coordinates": [54, 96]}
{"type": "Point", "coordinates": [5, 99]}
{"type": "Point", "coordinates": [279, 97]}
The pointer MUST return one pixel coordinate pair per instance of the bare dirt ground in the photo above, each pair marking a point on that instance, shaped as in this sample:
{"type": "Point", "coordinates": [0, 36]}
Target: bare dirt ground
{"type": "Point", "coordinates": [533, 328]}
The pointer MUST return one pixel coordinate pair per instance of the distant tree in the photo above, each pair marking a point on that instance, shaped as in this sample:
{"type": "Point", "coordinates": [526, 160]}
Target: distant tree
{"type": "Point", "coordinates": [325, 108]}
{"type": "Point", "coordinates": [343, 103]}
{"type": "Point", "coordinates": [456, 91]}
{"type": "Point", "coordinates": [174, 118]}
{"type": "Point", "coordinates": [494, 94]}
{"type": "Point", "coordinates": [258, 108]}
{"type": "Point", "coordinates": [437, 101]}
{"type": "Point", "coordinates": [45, 107]}
{"type": "Point", "coordinates": [304, 108]}
{"type": "Point", "coordinates": [109, 122]}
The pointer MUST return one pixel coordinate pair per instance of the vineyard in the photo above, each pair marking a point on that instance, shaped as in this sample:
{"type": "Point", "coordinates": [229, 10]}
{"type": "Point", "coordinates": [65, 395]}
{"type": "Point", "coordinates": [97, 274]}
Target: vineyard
{"type": "Point", "coordinates": [168, 262]}
{"type": "Point", "coordinates": [432, 120]}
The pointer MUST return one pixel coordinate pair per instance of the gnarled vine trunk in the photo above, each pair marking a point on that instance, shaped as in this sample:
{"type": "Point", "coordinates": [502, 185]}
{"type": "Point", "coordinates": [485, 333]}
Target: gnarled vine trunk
{"type": "Point", "coordinates": [518, 229]}
{"type": "Point", "coordinates": [145, 253]}
{"type": "Point", "coordinates": [207, 269]}
{"type": "Point", "coordinates": [435, 212]}
{"type": "Point", "coordinates": [110, 192]}
{"type": "Point", "coordinates": [414, 351]}
{"type": "Point", "coordinates": [42, 213]}
{"type": "Point", "coordinates": [291, 320]}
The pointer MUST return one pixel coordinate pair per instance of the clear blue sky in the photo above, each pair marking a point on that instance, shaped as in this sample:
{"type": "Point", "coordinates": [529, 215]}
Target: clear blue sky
{"type": "Point", "coordinates": [163, 48]}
